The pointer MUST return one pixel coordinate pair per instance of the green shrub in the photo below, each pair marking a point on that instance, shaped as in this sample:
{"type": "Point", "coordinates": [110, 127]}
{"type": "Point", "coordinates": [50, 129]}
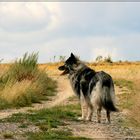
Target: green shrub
{"type": "Point", "coordinates": [4, 104]}
{"type": "Point", "coordinates": [24, 84]}
{"type": "Point", "coordinates": [108, 59]}
{"type": "Point", "coordinates": [24, 68]}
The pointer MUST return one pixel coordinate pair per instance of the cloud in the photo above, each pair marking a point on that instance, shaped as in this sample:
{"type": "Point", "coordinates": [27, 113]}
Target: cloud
{"type": "Point", "coordinates": [88, 48]}
{"type": "Point", "coordinates": [27, 16]}
{"type": "Point", "coordinates": [28, 23]}
{"type": "Point", "coordinates": [100, 18]}
{"type": "Point", "coordinates": [54, 29]}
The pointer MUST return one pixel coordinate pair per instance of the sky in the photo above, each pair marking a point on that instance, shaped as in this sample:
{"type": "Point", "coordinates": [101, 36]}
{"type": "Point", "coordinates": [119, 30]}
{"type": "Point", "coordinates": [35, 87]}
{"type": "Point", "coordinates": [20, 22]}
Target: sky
{"type": "Point", "coordinates": [88, 29]}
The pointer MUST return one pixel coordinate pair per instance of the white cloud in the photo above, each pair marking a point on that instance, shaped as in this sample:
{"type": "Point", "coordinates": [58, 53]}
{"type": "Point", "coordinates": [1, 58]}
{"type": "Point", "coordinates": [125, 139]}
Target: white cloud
{"type": "Point", "coordinates": [88, 48]}
{"type": "Point", "coordinates": [54, 29]}
{"type": "Point", "coordinates": [27, 16]}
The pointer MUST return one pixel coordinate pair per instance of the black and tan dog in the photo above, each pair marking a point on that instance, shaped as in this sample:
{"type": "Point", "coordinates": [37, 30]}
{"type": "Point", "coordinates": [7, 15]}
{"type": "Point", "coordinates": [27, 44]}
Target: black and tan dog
{"type": "Point", "coordinates": [94, 89]}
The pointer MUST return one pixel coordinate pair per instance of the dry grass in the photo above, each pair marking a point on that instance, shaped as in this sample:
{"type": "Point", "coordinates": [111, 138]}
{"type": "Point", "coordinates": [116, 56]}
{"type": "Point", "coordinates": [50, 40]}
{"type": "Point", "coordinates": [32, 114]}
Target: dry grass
{"type": "Point", "coordinates": [12, 93]}
{"type": "Point", "coordinates": [23, 83]}
{"type": "Point", "coordinates": [135, 111]}
{"type": "Point", "coordinates": [127, 71]}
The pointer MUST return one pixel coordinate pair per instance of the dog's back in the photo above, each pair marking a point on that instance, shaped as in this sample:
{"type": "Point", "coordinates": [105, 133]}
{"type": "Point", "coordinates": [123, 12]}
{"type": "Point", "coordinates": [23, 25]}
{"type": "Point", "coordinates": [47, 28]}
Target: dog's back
{"type": "Point", "coordinates": [103, 88]}
{"type": "Point", "coordinates": [91, 83]}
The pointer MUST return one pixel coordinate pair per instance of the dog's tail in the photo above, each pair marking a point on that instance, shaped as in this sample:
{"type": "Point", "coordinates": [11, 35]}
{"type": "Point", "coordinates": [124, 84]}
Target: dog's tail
{"type": "Point", "coordinates": [108, 98]}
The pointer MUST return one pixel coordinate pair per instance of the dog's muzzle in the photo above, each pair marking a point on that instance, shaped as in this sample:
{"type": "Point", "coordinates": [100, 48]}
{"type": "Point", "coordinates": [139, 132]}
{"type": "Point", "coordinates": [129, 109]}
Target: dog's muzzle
{"type": "Point", "coordinates": [64, 69]}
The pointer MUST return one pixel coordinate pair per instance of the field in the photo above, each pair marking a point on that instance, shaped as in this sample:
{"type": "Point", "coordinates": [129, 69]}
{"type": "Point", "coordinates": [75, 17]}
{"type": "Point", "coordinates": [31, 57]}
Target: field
{"type": "Point", "coordinates": [55, 117]}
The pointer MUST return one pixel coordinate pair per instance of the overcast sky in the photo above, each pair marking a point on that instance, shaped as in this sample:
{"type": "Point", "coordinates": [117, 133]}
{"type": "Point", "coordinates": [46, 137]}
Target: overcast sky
{"type": "Point", "coordinates": [87, 29]}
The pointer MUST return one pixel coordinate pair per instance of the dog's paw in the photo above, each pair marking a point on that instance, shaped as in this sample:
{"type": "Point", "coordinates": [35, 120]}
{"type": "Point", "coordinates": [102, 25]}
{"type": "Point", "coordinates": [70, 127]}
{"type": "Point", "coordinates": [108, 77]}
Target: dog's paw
{"type": "Point", "coordinates": [108, 122]}
{"type": "Point", "coordinates": [80, 118]}
{"type": "Point", "coordinates": [88, 119]}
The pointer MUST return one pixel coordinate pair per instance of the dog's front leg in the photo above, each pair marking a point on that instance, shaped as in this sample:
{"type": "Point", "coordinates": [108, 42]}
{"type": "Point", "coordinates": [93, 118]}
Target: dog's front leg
{"type": "Point", "coordinates": [83, 107]}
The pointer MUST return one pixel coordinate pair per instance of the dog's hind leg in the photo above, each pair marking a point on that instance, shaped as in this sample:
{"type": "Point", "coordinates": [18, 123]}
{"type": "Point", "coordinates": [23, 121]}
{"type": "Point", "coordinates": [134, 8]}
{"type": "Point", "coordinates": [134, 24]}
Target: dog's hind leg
{"type": "Point", "coordinates": [99, 114]}
{"type": "Point", "coordinates": [90, 113]}
{"type": "Point", "coordinates": [108, 116]}
{"type": "Point", "coordinates": [89, 110]}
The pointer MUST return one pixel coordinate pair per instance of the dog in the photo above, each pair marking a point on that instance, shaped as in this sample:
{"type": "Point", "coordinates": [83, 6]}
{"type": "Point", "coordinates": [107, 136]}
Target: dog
{"type": "Point", "coordinates": [95, 90]}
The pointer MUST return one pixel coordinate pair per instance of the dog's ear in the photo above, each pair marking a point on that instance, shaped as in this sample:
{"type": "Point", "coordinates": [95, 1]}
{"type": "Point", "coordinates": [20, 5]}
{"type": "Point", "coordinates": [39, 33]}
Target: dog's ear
{"type": "Point", "coordinates": [73, 58]}
{"type": "Point", "coordinates": [72, 55]}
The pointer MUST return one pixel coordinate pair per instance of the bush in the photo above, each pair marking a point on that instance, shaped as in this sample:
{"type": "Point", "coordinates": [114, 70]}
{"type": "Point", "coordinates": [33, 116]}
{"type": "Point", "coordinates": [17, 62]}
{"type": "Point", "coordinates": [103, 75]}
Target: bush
{"type": "Point", "coordinates": [100, 59]}
{"type": "Point", "coordinates": [24, 84]}
{"type": "Point", "coordinates": [24, 68]}
{"type": "Point", "coordinates": [108, 59]}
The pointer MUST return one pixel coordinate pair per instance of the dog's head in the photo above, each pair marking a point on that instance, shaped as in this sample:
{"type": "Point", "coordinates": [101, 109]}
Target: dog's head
{"type": "Point", "coordinates": [69, 65]}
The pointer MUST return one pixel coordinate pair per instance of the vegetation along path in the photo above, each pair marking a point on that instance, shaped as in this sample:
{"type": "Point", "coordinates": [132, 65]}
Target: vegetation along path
{"type": "Point", "coordinates": [14, 128]}
{"type": "Point", "coordinates": [64, 92]}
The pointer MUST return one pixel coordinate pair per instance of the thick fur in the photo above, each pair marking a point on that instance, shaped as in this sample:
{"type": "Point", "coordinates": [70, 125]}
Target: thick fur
{"type": "Point", "coordinates": [94, 89]}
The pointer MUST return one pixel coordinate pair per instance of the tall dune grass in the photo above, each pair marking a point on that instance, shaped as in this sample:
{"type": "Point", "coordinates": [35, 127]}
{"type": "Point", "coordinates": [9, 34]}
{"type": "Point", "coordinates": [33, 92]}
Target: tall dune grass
{"type": "Point", "coordinates": [23, 83]}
